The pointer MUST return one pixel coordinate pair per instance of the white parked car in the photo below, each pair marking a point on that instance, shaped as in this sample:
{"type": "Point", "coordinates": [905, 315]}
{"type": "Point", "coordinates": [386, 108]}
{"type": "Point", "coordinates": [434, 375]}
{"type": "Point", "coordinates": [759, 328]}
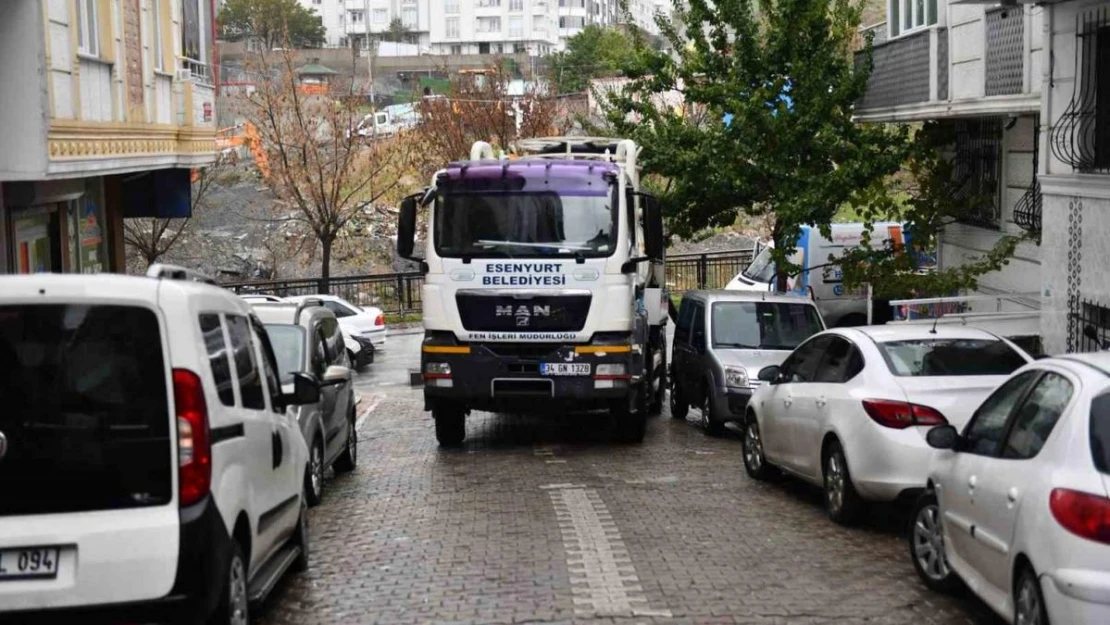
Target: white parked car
{"type": "Point", "coordinates": [360, 322]}
{"type": "Point", "coordinates": [261, 299]}
{"type": "Point", "coordinates": [149, 470]}
{"type": "Point", "coordinates": [849, 408]}
{"type": "Point", "coordinates": [1018, 505]}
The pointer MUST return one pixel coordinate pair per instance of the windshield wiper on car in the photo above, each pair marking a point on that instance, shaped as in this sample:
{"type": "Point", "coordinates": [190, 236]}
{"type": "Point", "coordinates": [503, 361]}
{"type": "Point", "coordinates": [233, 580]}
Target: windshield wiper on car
{"type": "Point", "coordinates": [735, 345]}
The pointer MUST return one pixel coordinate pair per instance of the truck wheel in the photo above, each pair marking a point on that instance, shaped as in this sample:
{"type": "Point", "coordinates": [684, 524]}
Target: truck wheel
{"type": "Point", "coordinates": [630, 425]}
{"type": "Point", "coordinates": [450, 426]}
{"type": "Point", "coordinates": [679, 404]}
{"type": "Point", "coordinates": [658, 396]}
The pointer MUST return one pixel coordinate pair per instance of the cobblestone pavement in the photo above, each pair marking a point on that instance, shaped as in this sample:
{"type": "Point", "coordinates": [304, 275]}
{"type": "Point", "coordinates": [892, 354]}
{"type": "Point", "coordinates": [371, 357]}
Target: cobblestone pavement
{"type": "Point", "coordinates": [538, 522]}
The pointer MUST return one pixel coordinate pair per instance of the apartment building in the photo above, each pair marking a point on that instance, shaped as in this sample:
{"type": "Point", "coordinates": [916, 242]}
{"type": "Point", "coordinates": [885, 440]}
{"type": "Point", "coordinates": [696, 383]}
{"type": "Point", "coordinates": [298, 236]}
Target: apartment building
{"type": "Point", "coordinates": [107, 107]}
{"type": "Point", "coordinates": [1020, 82]}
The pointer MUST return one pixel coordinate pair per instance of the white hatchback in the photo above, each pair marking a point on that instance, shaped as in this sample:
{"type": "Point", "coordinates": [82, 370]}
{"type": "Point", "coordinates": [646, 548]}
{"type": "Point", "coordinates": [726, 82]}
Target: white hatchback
{"type": "Point", "coordinates": [1018, 505]}
{"type": "Point", "coordinates": [849, 408]}
{"type": "Point", "coordinates": [148, 467]}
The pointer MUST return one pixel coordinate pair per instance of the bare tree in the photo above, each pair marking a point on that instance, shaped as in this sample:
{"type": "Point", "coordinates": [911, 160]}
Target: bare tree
{"type": "Point", "coordinates": [316, 162]}
{"type": "Point", "coordinates": [147, 239]}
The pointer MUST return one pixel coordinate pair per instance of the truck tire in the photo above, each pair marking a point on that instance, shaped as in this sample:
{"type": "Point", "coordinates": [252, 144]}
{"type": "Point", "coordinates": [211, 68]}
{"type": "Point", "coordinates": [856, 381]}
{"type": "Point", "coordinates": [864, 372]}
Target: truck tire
{"type": "Point", "coordinates": [631, 425]}
{"type": "Point", "coordinates": [658, 376]}
{"type": "Point", "coordinates": [450, 426]}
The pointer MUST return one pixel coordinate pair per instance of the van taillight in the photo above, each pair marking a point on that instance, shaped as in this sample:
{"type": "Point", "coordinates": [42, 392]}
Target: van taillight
{"type": "Point", "coordinates": [1081, 514]}
{"type": "Point", "coordinates": [194, 449]}
{"type": "Point", "coordinates": [379, 320]}
{"type": "Point", "coordinates": [901, 415]}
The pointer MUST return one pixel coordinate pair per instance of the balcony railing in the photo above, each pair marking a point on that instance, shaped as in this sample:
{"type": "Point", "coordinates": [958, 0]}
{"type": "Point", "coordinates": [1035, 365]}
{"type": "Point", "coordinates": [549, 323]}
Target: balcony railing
{"type": "Point", "coordinates": [1081, 137]}
{"type": "Point", "coordinates": [901, 72]}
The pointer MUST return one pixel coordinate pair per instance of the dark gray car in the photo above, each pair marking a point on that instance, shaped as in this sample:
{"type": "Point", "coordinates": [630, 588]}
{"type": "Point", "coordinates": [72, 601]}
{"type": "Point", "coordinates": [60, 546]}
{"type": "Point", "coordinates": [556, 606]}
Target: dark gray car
{"type": "Point", "coordinates": [721, 341]}
{"type": "Point", "coordinates": [306, 337]}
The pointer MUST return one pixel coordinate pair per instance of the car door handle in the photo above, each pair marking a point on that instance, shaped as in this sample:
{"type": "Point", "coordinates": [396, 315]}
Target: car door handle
{"type": "Point", "coordinates": [971, 482]}
{"type": "Point", "coordinates": [821, 402]}
{"type": "Point", "coordinates": [786, 401]}
{"type": "Point", "coordinates": [1012, 495]}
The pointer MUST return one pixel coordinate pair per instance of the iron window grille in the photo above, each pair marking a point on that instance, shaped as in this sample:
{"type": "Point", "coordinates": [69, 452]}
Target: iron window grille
{"type": "Point", "coordinates": [1081, 137]}
{"type": "Point", "coordinates": [976, 170]}
{"type": "Point", "coordinates": [1027, 211]}
{"type": "Point", "coordinates": [1088, 325]}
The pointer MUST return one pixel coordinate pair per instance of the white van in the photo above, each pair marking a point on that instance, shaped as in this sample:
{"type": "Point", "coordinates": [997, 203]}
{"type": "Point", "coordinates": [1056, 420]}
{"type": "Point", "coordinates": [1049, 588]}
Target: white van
{"type": "Point", "coordinates": [838, 306]}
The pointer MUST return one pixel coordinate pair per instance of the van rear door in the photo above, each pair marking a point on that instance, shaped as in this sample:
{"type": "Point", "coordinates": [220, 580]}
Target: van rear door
{"type": "Point", "coordinates": [87, 497]}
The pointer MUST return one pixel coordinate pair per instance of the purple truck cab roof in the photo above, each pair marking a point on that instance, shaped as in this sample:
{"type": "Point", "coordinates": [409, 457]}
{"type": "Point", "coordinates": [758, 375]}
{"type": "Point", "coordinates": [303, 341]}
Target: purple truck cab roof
{"type": "Point", "coordinates": [566, 177]}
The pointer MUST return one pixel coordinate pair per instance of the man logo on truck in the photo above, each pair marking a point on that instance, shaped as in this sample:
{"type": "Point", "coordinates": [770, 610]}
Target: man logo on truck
{"type": "Point", "coordinates": [523, 314]}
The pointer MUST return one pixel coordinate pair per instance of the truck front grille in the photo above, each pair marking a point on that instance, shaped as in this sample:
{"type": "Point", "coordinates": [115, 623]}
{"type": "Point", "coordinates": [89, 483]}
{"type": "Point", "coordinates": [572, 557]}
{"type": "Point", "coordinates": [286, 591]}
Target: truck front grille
{"type": "Point", "coordinates": [509, 313]}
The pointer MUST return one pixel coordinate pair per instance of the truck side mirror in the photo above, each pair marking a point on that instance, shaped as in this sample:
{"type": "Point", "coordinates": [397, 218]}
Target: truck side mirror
{"type": "Point", "coordinates": [653, 227]}
{"type": "Point", "coordinates": [406, 226]}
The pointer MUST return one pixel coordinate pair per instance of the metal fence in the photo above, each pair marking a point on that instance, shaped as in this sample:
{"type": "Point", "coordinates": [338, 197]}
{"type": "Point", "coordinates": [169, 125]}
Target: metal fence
{"type": "Point", "coordinates": [401, 293]}
{"type": "Point", "coordinates": [1088, 325]}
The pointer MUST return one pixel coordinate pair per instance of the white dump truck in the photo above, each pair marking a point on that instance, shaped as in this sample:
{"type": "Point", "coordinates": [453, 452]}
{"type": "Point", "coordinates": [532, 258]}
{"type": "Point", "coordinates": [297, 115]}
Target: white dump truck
{"type": "Point", "coordinates": [543, 288]}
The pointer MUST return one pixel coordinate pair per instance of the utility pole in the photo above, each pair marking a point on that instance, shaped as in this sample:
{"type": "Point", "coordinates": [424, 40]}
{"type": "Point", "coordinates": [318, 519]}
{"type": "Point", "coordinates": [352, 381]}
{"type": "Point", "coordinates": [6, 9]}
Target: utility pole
{"type": "Point", "coordinates": [369, 51]}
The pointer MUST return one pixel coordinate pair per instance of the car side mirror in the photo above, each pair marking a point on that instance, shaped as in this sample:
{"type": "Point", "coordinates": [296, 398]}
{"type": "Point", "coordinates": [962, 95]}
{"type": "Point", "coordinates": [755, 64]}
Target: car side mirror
{"type": "Point", "coordinates": [306, 390]}
{"type": "Point", "coordinates": [654, 243]}
{"type": "Point", "coordinates": [943, 437]}
{"type": "Point", "coordinates": [406, 226]}
{"type": "Point", "coordinates": [336, 374]}
{"type": "Point", "coordinates": [770, 374]}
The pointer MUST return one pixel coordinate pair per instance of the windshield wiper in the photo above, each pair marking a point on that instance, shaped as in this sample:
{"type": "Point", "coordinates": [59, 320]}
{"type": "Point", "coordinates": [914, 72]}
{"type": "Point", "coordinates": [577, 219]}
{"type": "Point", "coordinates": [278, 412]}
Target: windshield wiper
{"type": "Point", "coordinates": [735, 345]}
{"type": "Point", "coordinates": [542, 245]}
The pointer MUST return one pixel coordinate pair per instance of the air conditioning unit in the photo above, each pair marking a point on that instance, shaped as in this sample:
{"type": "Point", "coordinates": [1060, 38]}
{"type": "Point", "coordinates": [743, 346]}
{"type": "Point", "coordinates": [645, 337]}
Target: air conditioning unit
{"type": "Point", "coordinates": [183, 75]}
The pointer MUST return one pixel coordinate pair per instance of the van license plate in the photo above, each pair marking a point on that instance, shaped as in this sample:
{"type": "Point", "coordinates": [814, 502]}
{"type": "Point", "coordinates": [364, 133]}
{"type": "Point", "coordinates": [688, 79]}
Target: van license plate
{"type": "Point", "coordinates": [564, 368]}
{"type": "Point", "coordinates": [28, 563]}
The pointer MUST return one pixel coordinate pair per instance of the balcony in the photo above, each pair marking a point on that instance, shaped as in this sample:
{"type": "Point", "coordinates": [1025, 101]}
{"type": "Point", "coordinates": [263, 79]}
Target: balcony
{"type": "Point", "coordinates": [903, 82]}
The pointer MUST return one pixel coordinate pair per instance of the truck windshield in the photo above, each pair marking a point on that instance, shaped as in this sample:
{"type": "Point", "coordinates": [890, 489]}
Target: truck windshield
{"type": "Point", "coordinates": [763, 325]}
{"type": "Point", "coordinates": [762, 268]}
{"type": "Point", "coordinates": [516, 224]}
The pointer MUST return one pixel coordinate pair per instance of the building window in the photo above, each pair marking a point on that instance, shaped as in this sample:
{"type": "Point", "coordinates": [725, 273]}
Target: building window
{"type": "Point", "coordinates": [905, 16]}
{"type": "Point", "coordinates": [483, 48]}
{"type": "Point", "coordinates": [452, 26]}
{"type": "Point", "coordinates": [356, 17]}
{"type": "Point", "coordinates": [456, 50]}
{"type": "Point", "coordinates": [88, 41]}
{"type": "Point", "coordinates": [1081, 137]}
{"type": "Point", "coordinates": [976, 170]}
{"type": "Point", "coordinates": [516, 26]}
{"type": "Point", "coordinates": [451, 7]}
{"type": "Point", "coordinates": [489, 3]}
{"type": "Point", "coordinates": [519, 48]}
{"type": "Point", "coordinates": [381, 16]}
{"type": "Point", "coordinates": [408, 17]}
{"type": "Point", "coordinates": [572, 21]}
{"type": "Point", "coordinates": [156, 34]}
{"type": "Point", "coordinates": [489, 24]}
{"type": "Point", "coordinates": [516, 6]}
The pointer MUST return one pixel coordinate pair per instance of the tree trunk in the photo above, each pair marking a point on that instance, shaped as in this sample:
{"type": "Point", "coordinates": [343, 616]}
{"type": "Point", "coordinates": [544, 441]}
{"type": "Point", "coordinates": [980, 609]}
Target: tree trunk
{"type": "Point", "coordinates": [325, 264]}
{"type": "Point", "coordinates": [780, 271]}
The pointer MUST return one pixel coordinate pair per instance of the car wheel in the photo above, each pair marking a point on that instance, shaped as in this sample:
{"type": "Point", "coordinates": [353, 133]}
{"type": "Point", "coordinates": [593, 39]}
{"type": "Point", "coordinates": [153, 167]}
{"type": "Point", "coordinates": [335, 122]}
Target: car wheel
{"type": "Point", "coordinates": [314, 473]}
{"type": "Point", "coordinates": [354, 360]}
{"type": "Point", "coordinates": [300, 538]}
{"type": "Point", "coordinates": [755, 463]}
{"type": "Point", "coordinates": [450, 426]}
{"type": "Point", "coordinates": [1029, 608]}
{"type": "Point", "coordinates": [679, 404]}
{"type": "Point", "coordinates": [659, 395]}
{"type": "Point", "coordinates": [926, 542]}
{"type": "Point", "coordinates": [841, 500]}
{"type": "Point", "coordinates": [712, 426]}
{"type": "Point", "coordinates": [233, 607]}
{"type": "Point", "coordinates": [348, 458]}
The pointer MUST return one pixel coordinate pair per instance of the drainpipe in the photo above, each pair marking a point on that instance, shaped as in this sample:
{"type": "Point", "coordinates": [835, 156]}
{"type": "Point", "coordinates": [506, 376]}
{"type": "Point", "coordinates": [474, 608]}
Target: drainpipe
{"type": "Point", "coordinates": [215, 53]}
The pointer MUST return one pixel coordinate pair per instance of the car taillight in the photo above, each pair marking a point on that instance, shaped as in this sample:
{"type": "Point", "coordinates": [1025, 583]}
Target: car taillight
{"type": "Point", "coordinates": [379, 320]}
{"type": "Point", "coordinates": [1081, 514]}
{"type": "Point", "coordinates": [901, 415]}
{"type": "Point", "coordinates": [194, 449]}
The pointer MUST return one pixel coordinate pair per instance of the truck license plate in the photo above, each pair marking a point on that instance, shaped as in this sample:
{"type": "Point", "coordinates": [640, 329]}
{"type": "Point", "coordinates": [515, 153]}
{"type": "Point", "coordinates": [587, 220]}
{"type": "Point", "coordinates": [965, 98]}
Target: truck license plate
{"type": "Point", "coordinates": [564, 368]}
{"type": "Point", "coordinates": [28, 563]}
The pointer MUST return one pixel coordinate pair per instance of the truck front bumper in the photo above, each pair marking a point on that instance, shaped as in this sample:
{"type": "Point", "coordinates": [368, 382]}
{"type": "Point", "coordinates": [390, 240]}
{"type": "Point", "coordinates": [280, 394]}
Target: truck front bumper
{"type": "Point", "coordinates": [507, 377]}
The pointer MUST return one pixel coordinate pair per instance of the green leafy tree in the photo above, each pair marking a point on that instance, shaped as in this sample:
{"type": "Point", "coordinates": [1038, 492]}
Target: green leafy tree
{"type": "Point", "coordinates": [397, 32]}
{"type": "Point", "coordinates": [937, 198]}
{"type": "Point", "coordinates": [273, 22]}
{"type": "Point", "coordinates": [595, 52]}
{"type": "Point", "coordinates": [765, 126]}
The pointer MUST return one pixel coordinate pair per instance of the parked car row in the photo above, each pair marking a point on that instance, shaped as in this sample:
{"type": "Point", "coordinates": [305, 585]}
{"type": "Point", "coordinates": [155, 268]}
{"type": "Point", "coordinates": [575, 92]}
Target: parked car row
{"type": "Point", "coordinates": [1006, 459]}
{"type": "Point", "coordinates": [364, 328]}
{"type": "Point", "coordinates": [160, 443]}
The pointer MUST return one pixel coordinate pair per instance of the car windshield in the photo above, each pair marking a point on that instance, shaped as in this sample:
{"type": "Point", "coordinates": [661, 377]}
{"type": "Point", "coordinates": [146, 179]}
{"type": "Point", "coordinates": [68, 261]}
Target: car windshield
{"type": "Point", "coordinates": [288, 342]}
{"type": "Point", "coordinates": [763, 325]}
{"type": "Point", "coordinates": [762, 268]}
{"type": "Point", "coordinates": [514, 224]}
{"type": "Point", "coordinates": [1100, 431]}
{"type": "Point", "coordinates": [950, 357]}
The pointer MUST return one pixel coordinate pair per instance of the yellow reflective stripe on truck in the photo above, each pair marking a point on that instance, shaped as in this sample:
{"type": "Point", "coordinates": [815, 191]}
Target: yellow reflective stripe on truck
{"type": "Point", "coordinates": [607, 349]}
{"type": "Point", "coordinates": [446, 349]}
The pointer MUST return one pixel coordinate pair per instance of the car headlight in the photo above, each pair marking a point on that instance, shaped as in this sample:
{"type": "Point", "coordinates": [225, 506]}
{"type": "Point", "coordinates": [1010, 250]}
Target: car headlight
{"type": "Point", "coordinates": [736, 377]}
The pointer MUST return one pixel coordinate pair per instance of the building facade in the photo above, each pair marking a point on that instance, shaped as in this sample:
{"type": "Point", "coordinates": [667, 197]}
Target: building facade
{"type": "Point", "coordinates": [108, 107]}
{"type": "Point", "coordinates": [454, 27]}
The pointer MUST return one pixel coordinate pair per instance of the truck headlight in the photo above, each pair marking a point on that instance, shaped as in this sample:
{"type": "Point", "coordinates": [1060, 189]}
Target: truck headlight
{"type": "Point", "coordinates": [438, 368]}
{"type": "Point", "coordinates": [610, 369]}
{"type": "Point", "coordinates": [736, 377]}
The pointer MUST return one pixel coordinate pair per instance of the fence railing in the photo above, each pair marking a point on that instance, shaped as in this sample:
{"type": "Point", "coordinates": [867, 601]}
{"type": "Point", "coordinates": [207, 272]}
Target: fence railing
{"type": "Point", "coordinates": [401, 293]}
{"type": "Point", "coordinates": [1088, 325]}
